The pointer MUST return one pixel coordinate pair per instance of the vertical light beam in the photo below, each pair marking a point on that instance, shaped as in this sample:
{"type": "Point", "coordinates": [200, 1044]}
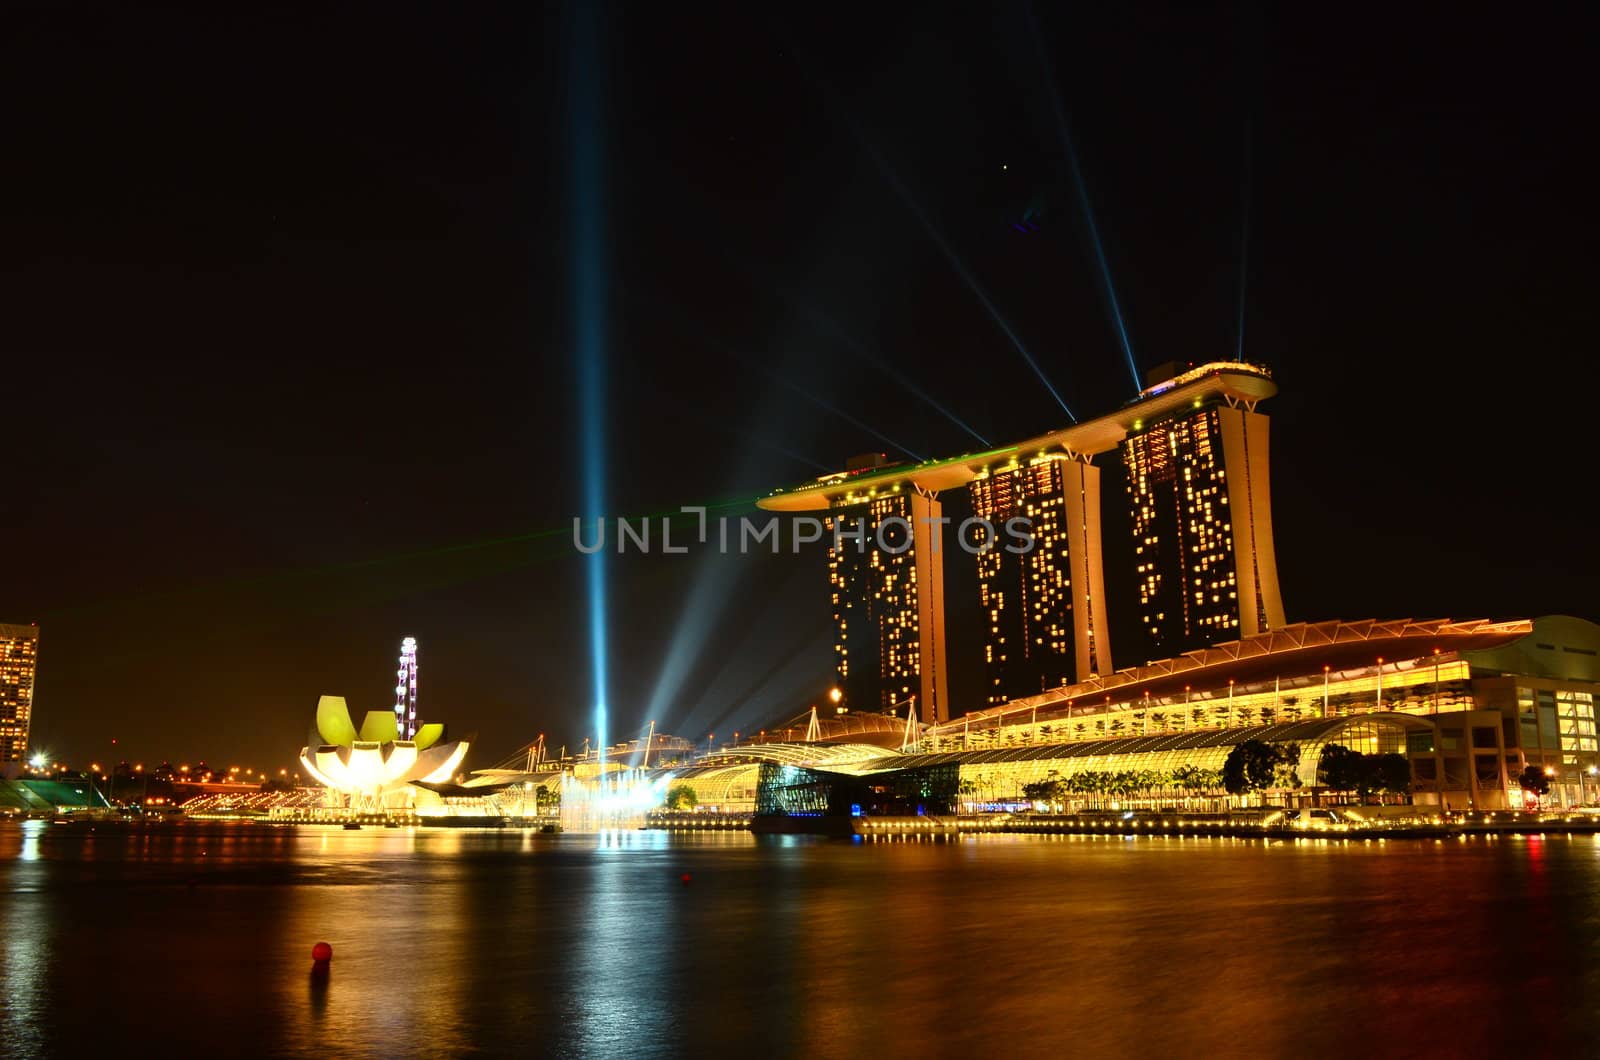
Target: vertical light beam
{"type": "Point", "coordinates": [585, 116]}
{"type": "Point", "coordinates": [959, 266]}
{"type": "Point", "coordinates": [843, 415]}
{"type": "Point", "coordinates": [1082, 189]}
{"type": "Point", "coordinates": [1244, 236]}
{"type": "Point", "coordinates": [829, 327]}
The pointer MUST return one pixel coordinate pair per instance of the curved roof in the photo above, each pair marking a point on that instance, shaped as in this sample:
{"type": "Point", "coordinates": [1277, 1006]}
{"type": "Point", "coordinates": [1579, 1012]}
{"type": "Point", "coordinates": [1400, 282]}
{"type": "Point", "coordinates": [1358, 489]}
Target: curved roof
{"type": "Point", "coordinates": [793, 754]}
{"type": "Point", "coordinates": [1282, 732]}
{"type": "Point", "coordinates": [852, 727]}
{"type": "Point", "coordinates": [1298, 650]}
{"type": "Point", "coordinates": [44, 796]}
{"type": "Point", "coordinates": [1229, 381]}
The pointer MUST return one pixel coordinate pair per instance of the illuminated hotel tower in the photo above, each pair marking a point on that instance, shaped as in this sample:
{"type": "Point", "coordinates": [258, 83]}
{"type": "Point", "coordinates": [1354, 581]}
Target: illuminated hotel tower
{"type": "Point", "coordinates": [888, 601]}
{"type": "Point", "coordinates": [1043, 607]}
{"type": "Point", "coordinates": [19, 654]}
{"type": "Point", "coordinates": [1202, 523]}
{"type": "Point", "coordinates": [1196, 456]}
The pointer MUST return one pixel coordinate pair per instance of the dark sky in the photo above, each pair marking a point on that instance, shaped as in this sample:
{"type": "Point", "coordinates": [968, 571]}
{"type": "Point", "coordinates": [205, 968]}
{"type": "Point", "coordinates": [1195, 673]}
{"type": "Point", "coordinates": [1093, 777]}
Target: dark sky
{"type": "Point", "coordinates": [289, 325]}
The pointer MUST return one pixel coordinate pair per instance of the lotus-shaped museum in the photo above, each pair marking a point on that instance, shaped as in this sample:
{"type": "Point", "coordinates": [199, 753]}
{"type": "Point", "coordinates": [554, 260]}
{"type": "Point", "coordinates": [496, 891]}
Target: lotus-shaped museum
{"type": "Point", "coordinates": [373, 766]}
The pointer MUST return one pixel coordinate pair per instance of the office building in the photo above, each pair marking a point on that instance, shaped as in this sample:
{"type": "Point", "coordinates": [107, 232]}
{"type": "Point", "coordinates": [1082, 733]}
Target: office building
{"type": "Point", "coordinates": [19, 659]}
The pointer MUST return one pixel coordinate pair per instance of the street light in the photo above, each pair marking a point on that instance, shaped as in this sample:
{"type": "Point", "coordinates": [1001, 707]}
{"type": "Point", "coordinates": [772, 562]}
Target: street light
{"type": "Point", "coordinates": [835, 694]}
{"type": "Point", "coordinates": [1325, 670]}
{"type": "Point", "coordinates": [1380, 682]}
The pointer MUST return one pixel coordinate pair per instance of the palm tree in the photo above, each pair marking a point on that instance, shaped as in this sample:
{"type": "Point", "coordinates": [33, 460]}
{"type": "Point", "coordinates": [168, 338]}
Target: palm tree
{"type": "Point", "coordinates": [1161, 721]}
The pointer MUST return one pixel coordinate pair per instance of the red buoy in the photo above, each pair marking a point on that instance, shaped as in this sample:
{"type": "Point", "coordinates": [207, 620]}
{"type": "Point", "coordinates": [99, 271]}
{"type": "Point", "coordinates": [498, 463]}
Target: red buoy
{"type": "Point", "coordinates": [685, 877]}
{"type": "Point", "coordinates": [322, 953]}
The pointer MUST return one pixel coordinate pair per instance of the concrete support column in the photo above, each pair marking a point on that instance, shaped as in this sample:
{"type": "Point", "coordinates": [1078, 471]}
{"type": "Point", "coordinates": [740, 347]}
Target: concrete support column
{"type": "Point", "coordinates": [1080, 482]}
{"type": "Point", "coordinates": [1244, 452]}
{"type": "Point", "coordinates": [928, 547]}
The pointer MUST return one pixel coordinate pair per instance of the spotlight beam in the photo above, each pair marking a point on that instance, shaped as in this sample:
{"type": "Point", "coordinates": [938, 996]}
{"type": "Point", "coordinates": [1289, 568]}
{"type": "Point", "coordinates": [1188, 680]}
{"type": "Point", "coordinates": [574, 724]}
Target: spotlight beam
{"type": "Point", "coordinates": [957, 264]}
{"type": "Point", "coordinates": [1082, 189]}
{"type": "Point", "coordinates": [585, 116]}
{"type": "Point", "coordinates": [884, 438]}
{"type": "Point", "coordinates": [733, 355]}
{"type": "Point", "coordinates": [1244, 235]}
{"type": "Point", "coordinates": [828, 327]}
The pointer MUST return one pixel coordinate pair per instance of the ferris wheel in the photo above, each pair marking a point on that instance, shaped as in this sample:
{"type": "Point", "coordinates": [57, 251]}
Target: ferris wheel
{"type": "Point", "coordinates": [405, 691]}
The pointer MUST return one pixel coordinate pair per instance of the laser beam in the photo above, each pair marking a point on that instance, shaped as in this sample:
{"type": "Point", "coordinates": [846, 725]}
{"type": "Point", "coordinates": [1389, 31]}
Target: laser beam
{"type": "Point", "coordinates": [1244, 235]}
{"type": "Point", "coordinates": [1107, 285]}
{"type": "Point", "coordinates": [585, 114]}
{"type": "Point", "coordinates": [843, 415]}
{"type": "Point", "coordinates": [829, 327]}
{"type": "Point", "coordinates": [957, 264]}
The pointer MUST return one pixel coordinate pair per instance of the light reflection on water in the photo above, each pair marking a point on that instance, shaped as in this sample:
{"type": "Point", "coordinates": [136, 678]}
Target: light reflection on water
{"type": "Point", "coordinates": [450, 941]}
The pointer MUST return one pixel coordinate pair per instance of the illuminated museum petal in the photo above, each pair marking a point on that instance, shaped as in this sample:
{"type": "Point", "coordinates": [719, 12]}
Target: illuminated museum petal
{"type": "Point", "coordinates": [402, 757]}
{"type": "Point", "coordinates": [316, 774]}
{"type": "Point", "coordinates": [428, 735]}
{"type": "Point", "coordinates": [458, 751]}
{"type": "Point", "coordinates": [333, 721]}
{"type": "Point", "coordinates": [378, 727]}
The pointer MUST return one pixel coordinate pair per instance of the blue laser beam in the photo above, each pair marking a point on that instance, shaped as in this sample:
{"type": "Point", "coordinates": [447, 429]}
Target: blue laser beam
{"type": "Point", "coordinates": [1104, 266]}
{"type": "Point", "coordinates": [955, 262]}
{"type": "Point", "coordinates": [1244, 235]}
{"type": "Point", "coordinates": [798, 458]}
{"type": "Point", "coordinates": [585, 171]}
{"type": "Point", "coordinates": [843, 415]}
{"type": "Point", "coordinates": [829, 327]}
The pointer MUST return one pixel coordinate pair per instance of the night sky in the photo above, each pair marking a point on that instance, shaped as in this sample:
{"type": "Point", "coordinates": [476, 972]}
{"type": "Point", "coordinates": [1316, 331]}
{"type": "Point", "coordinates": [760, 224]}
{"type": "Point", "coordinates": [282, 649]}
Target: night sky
{"type": "Point", "coordinates": [289, 326]}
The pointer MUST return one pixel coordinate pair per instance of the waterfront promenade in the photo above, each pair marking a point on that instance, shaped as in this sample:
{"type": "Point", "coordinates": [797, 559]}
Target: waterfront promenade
{"type": "Point", "coordinates": [1341, 822]}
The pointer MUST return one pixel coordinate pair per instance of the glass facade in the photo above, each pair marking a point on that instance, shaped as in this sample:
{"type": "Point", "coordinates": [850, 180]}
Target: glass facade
{"type": "Point", "coordinates": [1026, 598]}
{"type": "Point", "coordinates": [796, 791]}
{"type": "Point", "coordinates": [877, 649]}
{"type": "Point", "coordinates": [1420, 689]}
{"type": "Point", "coordinates": [999, 775]}
{"type": "Point", "coordinates": [1183, 533]}
{"type": "Point", "coordinates": [19, 655]}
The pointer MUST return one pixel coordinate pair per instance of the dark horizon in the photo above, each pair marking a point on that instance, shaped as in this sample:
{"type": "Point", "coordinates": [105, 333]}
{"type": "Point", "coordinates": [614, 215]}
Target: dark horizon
{"type": "Point", "coordinates": [292, 326]}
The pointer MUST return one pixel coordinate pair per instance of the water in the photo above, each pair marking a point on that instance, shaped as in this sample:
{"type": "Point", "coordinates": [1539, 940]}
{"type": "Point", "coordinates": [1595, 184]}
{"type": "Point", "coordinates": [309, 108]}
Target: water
{"type": "Point", "coordinates": [497, 943]}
